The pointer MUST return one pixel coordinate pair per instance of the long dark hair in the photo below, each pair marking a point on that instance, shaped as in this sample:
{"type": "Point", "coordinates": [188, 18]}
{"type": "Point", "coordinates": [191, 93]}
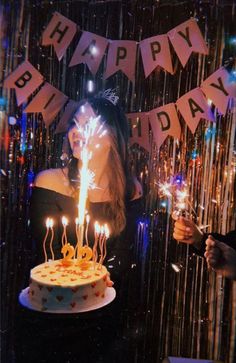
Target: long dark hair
{"type": "Point", "coordinates": [121, 185]}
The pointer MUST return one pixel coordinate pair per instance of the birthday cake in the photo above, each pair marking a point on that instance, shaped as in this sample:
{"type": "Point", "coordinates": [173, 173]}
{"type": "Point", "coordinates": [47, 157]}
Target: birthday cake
{"type": "Point", "coordinates": [75, 283]}
{"type": "Point", "coordinates": [56, 287]}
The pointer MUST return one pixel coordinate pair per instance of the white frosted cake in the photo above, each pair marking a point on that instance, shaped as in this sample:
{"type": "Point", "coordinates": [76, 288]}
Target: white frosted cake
{"type": "Point", "coordinates": [75, 283]}
{"type": "Point", "coordinates": [55, 287]}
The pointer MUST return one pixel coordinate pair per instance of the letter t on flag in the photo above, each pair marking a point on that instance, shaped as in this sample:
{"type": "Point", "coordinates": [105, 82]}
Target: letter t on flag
{"type": "Point", "coordinates": [187, 38]}
{"type": "Point", "coordinates": [139, 127]}
{"type": "Point", "coordinates": [59, 33]}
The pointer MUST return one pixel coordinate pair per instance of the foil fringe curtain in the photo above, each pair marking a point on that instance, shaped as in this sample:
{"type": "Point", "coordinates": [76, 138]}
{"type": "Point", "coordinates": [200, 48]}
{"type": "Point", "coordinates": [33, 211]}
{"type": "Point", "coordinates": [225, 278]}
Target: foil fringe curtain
{"type": "Point", "coordinates": [191, 313]}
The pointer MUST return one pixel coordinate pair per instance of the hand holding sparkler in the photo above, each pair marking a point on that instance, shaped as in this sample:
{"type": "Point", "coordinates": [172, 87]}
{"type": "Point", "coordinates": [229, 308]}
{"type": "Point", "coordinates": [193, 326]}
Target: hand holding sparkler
{"type": "Point", "coordinates": [186, 231]}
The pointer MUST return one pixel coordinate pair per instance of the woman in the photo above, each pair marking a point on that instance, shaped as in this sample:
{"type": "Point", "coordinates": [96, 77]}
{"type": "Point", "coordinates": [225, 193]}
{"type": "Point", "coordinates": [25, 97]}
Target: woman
{"type": "Point", "coordinates": [100, 335]}
{"type": "Point", "coordinates": [56, 191]}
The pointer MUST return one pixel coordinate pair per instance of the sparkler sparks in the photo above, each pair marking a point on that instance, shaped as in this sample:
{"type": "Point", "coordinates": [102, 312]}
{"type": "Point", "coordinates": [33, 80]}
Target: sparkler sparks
{"type": "Point", "coordinates": [87, 131]}
{"type": "Point", "coordinates": [165, 189]}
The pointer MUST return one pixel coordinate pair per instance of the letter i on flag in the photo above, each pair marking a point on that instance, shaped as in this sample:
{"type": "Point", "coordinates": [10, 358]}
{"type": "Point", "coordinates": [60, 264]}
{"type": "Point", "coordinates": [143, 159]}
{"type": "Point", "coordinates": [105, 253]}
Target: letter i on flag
{"type": "Point", "coordinates": [48, 101]}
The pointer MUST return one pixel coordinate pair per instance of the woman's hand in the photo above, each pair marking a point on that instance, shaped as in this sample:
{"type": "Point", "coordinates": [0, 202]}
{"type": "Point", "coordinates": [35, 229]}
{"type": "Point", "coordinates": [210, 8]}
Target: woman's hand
{"type": "Point", "coordinates": [186, 231]}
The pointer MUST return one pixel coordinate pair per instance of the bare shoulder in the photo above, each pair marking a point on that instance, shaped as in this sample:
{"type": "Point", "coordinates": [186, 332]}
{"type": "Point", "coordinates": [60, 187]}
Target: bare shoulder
{"type": "Point", "coordinates": [53, 179]}
{"type": "Point", "coordinates": [46, 177]}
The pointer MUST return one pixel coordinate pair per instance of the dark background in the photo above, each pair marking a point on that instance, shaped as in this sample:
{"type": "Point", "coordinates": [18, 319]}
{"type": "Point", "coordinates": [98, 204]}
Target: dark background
{"type": "Point", "coordinates": [187, 314]}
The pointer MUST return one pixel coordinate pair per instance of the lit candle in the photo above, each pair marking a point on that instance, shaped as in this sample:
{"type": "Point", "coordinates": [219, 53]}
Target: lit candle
{"type": "Point", "coordinates": [45, 238]}
{"type": "Point", "coordinates": [52, 236]}
{"type": "Point", "coordinates": [97, 230]}
{"type": "Point", "coordinates": [100, 243]}
{"type": "Point", "coordinates": [106, 235]}
{"type": "Point", "coordinates": [64, 236]}
{"type": "Point", "coordinates": [86, 232]}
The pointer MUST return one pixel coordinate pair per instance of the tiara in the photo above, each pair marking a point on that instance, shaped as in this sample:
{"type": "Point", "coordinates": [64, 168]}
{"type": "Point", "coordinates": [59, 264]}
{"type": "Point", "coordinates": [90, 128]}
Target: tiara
{"type": "Point", "coordinates": [109, 95]}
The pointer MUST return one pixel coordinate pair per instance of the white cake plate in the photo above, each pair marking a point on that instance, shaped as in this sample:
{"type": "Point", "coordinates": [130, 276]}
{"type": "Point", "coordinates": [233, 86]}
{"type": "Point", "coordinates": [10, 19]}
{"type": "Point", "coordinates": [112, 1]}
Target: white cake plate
{"type": "Point", "coordinates": [110, 296]}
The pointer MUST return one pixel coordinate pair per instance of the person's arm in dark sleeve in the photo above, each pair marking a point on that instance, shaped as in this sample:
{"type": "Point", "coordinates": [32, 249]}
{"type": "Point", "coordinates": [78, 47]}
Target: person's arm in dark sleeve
{"type": "Point", "coordinates": [229, 239]}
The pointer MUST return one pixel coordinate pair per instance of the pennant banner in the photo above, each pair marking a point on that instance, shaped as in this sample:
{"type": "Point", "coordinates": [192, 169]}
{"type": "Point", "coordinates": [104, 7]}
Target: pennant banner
{"type": "Point", "coordinates": [219, 87]}
{"type": "Point", "coordinates": [90, 50]}
{"type": "Point", "coordinates": [193, 106]}
{"type": "Point", "coordinates": [156, 52]}
{"type": "Point", "coordinates": [48, 101]}
{"type": "Point", "coordinates": [139, 126]}
{"type": "Point", "coordinates": [25, 79]}
{"type": "Point", "coordinates": [164, 121]}
{"type": "Point", "coordinates": [187, 38]}
{"type": "Point", "coordinates": [121, 57]}
{"type": "Point", "coordinates": [59, 33]}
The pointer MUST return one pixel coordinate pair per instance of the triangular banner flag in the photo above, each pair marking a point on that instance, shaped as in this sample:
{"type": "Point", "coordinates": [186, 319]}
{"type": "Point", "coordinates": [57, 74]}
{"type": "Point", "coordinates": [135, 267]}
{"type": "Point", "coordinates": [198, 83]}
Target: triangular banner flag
{"type": "Point", "coordinates": [164, 122]}
{"type": "Point", "coordinates": [121, 57]}
{"type": "Point", "coordinates": [187, 38]}
{"type": "Point", "coordinates": [193, 106]}
{"type": "Point", "coordinates": [48, 101]}
{"type": "Point", "coordinates": [156, 52]}
{"type": "Point", "coordinates": [90, 50]}
{"type": "Point", "coordinates": [219, 87]}
{"type": "Point", "coordinates": [25, 79]}
{"type": "Point", "coordinates": [139, 127]}
{"type": "Point", "coordinates": [59, 33]}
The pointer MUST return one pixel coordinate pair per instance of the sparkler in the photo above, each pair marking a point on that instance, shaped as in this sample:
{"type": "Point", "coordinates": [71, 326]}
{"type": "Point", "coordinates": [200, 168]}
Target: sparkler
{"type": "Point", "coordinates": [86, 176]}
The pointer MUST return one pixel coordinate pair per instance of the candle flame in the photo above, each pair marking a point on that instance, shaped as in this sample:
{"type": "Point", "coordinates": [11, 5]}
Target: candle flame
{"type": "Point", "coordinates": [97, 227]}
{"type": "Point", "coordinates": [64, 221]}
{"type": "Point", "coordinates": [107, 232]}
{"type": "Point", "coordinates": [51, 222]}
{"type": "Point", "coordinates": [48, 222]}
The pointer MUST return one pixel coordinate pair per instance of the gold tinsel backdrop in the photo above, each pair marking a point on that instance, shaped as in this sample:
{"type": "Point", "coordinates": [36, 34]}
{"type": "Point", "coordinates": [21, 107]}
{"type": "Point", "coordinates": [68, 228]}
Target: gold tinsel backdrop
{"type": "Point", "coordinates": [189, 313]}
